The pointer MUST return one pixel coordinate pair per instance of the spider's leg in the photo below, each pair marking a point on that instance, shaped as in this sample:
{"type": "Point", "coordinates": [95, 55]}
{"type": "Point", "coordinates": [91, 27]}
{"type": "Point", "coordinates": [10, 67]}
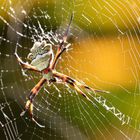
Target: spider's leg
{"type": "Point", "coordinates": [89, 88]}
{"type": "Point", "coordinates": [66, 33]}
{"type": "Point", "coordinates": [57, 56]}
{"type": "Point", "coordinates": [26, 65]}
{"type": "Point", "coordinates": [61, 47]}
{"type": "Point", "coordinates": [32, 95]}
{"type": "Point", "coordinates": [66, 78]}
{"type": "Point", "coordinates": [73, 83]}
{"type": "Point", "coordinates": [82, 93]}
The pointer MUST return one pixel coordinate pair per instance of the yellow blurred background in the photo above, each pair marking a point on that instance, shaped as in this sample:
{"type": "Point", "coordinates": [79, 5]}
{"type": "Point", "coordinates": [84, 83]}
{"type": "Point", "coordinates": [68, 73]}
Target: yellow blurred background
{"type": "Point", "coordinates": [105, 51]}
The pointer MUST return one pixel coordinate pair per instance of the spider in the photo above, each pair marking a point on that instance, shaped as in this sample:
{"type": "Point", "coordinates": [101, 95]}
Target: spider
{"type": "Point", "coordinates": [42, 60]}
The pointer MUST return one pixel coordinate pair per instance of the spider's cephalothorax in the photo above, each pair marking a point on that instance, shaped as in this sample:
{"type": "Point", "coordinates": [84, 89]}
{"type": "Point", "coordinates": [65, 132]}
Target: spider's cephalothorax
{"type": "Point", "coordinates": [42, 61]}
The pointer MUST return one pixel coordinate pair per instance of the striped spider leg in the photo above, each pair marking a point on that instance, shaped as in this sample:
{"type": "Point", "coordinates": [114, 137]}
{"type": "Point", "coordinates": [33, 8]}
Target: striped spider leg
{"type": "Point", "coordinates": [77, 85]}
{"type": "Point", "coordinates": [61, 48]}
{"type": "Point", "coordinates": [26, 65]}
{"type": "Point", "coordinates": [32, 95]}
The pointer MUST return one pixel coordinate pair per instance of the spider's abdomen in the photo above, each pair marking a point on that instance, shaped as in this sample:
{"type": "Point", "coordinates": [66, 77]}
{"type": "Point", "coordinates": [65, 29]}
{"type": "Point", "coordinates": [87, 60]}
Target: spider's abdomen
{"type": "Point", "coordinates": [41, 62]}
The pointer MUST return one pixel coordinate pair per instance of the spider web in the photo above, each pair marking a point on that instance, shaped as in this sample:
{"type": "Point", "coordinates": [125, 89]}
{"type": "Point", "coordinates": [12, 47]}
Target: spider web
{"type": "Point", "coordinates": [104, 54]}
